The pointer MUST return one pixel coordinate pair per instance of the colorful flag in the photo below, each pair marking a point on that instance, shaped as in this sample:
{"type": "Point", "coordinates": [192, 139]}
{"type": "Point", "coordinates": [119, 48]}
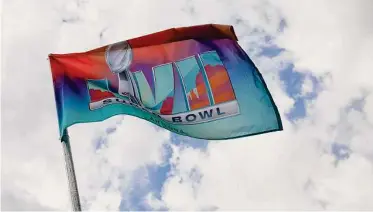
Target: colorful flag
{"type": "Point", "coordinates": [195, 81]}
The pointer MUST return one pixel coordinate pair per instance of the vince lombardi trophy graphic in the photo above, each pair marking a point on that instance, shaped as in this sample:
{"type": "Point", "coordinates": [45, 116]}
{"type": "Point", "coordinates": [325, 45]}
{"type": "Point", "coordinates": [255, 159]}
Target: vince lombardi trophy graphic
{"type": "Point", "coordinates": [119, 57]}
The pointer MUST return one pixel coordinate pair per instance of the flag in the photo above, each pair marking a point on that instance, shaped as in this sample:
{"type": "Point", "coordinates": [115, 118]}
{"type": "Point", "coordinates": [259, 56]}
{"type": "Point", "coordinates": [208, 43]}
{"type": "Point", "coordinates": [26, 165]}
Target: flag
{"type": "Point", "coordinates": [195, 81]}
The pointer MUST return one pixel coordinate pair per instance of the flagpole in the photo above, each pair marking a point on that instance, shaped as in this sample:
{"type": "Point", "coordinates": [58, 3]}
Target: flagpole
{"type": "Point", "coordinates": [73, 187]}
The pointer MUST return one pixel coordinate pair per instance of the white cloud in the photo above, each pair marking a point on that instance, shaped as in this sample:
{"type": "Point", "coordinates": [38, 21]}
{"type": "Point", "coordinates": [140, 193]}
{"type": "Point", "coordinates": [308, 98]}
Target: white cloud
{"type": "Point", "coordinates": [293, 169]}
{"type": "Point", "coordinates": [307, 86]}
{"type": "Point", "coordinates": [368, 109]}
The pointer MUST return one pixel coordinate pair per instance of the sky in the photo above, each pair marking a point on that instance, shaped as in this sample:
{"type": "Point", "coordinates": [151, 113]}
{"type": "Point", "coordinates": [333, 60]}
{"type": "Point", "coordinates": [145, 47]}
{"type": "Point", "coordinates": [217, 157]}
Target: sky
{"type": "Point", "coordinates": [315, 57]}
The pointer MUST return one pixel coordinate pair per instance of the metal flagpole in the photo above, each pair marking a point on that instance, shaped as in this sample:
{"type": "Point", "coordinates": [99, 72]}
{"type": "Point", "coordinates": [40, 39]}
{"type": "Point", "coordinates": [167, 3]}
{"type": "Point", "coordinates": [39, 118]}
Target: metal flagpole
{"type": "Point", "coordinates": [73, 187]}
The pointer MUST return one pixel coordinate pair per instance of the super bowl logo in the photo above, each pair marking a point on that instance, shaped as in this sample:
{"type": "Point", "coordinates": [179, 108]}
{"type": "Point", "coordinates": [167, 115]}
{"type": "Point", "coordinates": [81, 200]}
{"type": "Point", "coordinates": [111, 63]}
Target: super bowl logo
{"type": "Point", "coordinates": [191, 90]}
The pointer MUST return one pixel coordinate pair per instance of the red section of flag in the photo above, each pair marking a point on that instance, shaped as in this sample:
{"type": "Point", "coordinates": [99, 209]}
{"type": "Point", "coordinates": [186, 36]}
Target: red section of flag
{"type": "Point", "coordinates": [167, 106]}
{"type": "Point", "coordinates": [97, 95]}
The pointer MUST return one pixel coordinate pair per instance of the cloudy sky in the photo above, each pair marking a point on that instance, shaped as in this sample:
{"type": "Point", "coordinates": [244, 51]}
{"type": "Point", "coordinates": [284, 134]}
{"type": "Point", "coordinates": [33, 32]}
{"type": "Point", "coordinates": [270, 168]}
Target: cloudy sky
{"type": "Point", "coordinates": [315, 56]}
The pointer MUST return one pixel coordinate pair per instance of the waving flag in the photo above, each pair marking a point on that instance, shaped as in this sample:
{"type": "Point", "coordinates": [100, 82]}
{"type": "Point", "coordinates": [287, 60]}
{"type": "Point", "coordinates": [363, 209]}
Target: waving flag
{"type": "Point", "coordinates": [195, 81]}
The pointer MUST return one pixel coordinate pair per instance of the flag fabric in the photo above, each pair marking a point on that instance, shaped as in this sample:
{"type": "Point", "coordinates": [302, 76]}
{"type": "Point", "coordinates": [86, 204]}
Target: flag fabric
{"type": "Point", "coordinates": [195, 81]}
